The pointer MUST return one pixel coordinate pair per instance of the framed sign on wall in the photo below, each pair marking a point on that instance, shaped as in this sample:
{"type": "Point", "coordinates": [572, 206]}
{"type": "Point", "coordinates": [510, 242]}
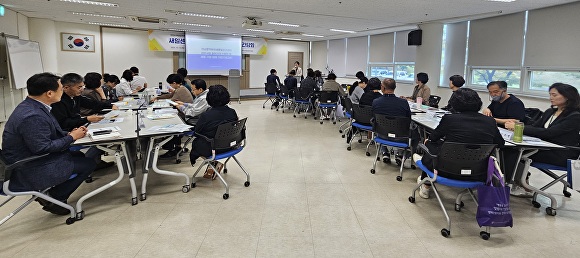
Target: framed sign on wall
{"type": "Point", "coordinates": [77, 42]}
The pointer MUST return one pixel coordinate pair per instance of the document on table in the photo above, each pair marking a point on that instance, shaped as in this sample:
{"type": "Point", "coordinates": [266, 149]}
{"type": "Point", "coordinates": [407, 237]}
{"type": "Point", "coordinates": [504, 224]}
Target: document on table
{"type": "Point", "coordinates": [171, 128]}
{"type": "Point", "coordinates": [113, 132]}
{"type": "Point", "coordinates": [160, 116]}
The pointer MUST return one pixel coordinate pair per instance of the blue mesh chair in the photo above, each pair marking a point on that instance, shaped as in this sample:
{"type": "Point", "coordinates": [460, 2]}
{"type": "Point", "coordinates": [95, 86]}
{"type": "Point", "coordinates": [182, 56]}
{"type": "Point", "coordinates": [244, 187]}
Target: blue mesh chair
{"type": "Point", "coordinates": [271, 93]}
{"type": "Point", "coordinates": [392, 132]}
{"type": "Point", "coordinates": [456, 158]}
{"type": "Point", "coordinates": [327, 102]}
{"type": "Point", "coordinates": [361, 120]}
{"type": "Point", "coordinates": [229, 140]}
{"type": "Point", "coordinates": [285, 100]}
{"type": "Point", "coordinates": [347, 104]}
{"type": "Point", "coordinates": [302, 102]}
{"type": "Point", "coordinates": [5, 174]}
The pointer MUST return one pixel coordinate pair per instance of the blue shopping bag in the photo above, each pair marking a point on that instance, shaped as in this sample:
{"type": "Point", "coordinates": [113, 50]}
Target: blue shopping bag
{"type": "Point", "coordinates": [493, 209]}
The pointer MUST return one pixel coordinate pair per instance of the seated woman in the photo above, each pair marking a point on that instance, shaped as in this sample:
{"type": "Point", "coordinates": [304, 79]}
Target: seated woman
{"type": "Point", "coordinates": [331, 85]}
{"type": "Point", "coordinates": [217, 97]}
{"type": "Point", "coordinates": [372, 91]}
{"type": "Point", "coordinates": [180, 92]}
{"type": "Point", "coordinates": [560, 124]}
{"type": "Point", "coordinates": [467, 125]}
{"type": "Point", "coordinates": [93, 91]}
{"type": "Point", "coordinates": [421, 89]}
{"type": "Point", "coordinates": [110, 82]}
{"type": "Point", "coordinates": [124, 87]}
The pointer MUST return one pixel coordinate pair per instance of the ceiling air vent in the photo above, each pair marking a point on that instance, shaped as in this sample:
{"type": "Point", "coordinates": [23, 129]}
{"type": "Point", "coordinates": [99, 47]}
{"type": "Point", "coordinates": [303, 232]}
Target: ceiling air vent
{"type": "Point", "coordinates": [148, 19]}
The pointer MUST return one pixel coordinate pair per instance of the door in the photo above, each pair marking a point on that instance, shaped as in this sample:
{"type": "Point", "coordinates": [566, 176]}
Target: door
{"type": "Point", "coordinates": [293, 57]}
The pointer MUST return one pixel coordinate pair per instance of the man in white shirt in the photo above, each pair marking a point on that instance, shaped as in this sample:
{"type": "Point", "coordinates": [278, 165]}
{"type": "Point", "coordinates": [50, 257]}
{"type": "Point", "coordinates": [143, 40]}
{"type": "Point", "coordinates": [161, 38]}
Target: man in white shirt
{"type": "Point", "coordinates": [139, 82]}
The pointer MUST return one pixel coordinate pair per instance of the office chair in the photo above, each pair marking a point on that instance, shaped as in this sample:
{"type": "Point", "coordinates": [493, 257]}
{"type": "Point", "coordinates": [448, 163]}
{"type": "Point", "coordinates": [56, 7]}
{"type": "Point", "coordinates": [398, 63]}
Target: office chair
{"type": "Point", "coordinates": [328, 100]}
{"type": "Point", "coordinates": [392, 132]}
{"type": "Point", "coordinates": [434, 101]}
{"type": "Point", "coordinates": [302, 101]}
{"type": "Point", "coordinates": [347, 104]}
{"type": "Point", "coordinates": [454, 158]}
{"type": "Point", "coordinates": [271, 93]}
{"type": "Point", "coordinates": [361, 121]}
{"type": "Point", "coordinates": [6, 171]}
{"type": "Point", "coordinates": [284, 96]}
{"type": "Point", "coordinates": [229, 140]}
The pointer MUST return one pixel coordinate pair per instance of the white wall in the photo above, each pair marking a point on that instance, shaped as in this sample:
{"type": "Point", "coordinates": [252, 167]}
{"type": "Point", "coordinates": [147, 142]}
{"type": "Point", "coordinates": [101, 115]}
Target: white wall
{"type": "Point", "coordinates": [44, 32]}
{"type": "Point", "coordinates": [78, 62]}
{"type": "Point", "coordinates": [123, 48]}
{"type": "Point", "coordinates": [277, 58]}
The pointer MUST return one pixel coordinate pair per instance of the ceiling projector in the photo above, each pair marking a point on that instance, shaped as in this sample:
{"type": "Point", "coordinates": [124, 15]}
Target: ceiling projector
{"type": "Point", "coordinates": [251, 23]}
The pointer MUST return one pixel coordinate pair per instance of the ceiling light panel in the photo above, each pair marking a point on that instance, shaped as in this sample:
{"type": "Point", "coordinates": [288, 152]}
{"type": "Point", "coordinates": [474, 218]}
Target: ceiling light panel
{"type": "Point", "coordinates": [183, 30]}
{"type": "Point", "coordinates": [99, 15]}
{"type": "Point", "coordinates": [91, 3]}
{"type": "Point", "coordinates": [191, 24]}
{"type": "Point", "coordinates": [346, 31]}
{"type": "Point", "coordinates": [202, 15]}
{"type": "Point", "coordinates": [284, 24]}
{"type": "Point", "coordinates": [291, 39]}
{"type": "Point", "coordinates": [255, 30]}
{"type": "Point", "coordinates": [109, 24]}
{"type": "Point", "coordinates": [312, 35]}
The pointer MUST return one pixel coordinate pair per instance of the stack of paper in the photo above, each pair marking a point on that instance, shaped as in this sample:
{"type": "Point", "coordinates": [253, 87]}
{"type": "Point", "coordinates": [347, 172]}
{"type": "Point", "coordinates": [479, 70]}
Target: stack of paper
{"type": "Point", "coordinates": [160, 116]}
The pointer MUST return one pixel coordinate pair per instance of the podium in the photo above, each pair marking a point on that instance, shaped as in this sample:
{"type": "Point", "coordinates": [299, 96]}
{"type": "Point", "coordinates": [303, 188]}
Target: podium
{"type": "Point", "coordinates": [234, 84]}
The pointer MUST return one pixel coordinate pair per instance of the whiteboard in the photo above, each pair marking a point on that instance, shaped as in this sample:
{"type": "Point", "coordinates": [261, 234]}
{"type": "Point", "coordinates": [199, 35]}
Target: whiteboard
{"type": "Point", "coordinates": [25, 61]}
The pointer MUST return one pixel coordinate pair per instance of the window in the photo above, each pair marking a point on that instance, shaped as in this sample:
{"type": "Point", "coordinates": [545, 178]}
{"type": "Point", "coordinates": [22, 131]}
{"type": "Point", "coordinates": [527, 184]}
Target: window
{"type": "Point", "coordinates": [381, 71]}
{"type": "Point", "coordinates": [541, 80]}
{"type": "Point", "coordinates": [482, 76]}
{"type": "Point", "coordinates": [405, 72]}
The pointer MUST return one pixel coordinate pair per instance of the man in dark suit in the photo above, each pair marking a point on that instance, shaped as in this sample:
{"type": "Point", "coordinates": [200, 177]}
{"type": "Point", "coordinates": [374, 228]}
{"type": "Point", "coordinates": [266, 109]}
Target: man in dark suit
{"type": "Point", "coordinates": [32, 130]}
{"type": "Point", "coordinates": [67, 111]}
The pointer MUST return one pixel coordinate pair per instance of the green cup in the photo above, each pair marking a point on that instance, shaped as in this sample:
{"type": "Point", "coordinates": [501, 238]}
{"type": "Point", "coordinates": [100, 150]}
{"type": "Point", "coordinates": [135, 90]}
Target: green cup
{"type": "Point", "coordinates": [518, 132]}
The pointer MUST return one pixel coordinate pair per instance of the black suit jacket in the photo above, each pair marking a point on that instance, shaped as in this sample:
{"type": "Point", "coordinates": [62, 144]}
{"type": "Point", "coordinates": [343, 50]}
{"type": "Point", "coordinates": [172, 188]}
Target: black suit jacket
{"type": "Point", "coordinates": [564, 130]}
{"type": "Point", "coordinates": [207, 125]}
{"type": "Point", "coordinates": [468, 127]}
{"type": "Point", "coordinates": [68, 110]}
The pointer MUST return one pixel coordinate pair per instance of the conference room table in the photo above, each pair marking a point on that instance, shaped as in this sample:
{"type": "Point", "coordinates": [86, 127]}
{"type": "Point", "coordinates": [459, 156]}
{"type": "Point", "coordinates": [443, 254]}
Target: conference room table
{"type": "Point", "coordinates": [530, 145]}
{"type": "Point", "coordinates": [124, 130]}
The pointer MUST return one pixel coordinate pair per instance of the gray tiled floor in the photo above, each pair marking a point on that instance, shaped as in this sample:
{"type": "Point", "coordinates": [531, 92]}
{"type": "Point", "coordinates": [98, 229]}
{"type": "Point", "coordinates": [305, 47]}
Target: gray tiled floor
{"type": "Point", "coordinates": [309, 197]}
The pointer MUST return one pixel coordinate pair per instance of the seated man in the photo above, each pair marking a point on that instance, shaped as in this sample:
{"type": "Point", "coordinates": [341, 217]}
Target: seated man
{"type": "Point", "coordinates": [291, 83]}
{"type": "Point", "coordinates": [455, 82]}
{"type": "Point", "coordinates": [192, 111]}
{"type": "Point", "coordinates": [273, 78]}
{"type": "Point", "coordinates": [504, 107]}
{"type": "Point", "coordinates": [32, 130]}
{"type": "Point", "coordinates": [391, 105]}
{"type": "Point", "coordinates": [67, 111]}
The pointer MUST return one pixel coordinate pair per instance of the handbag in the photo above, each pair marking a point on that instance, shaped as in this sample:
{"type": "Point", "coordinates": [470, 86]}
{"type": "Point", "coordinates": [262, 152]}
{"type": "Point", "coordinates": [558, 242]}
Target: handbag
{"type": "Point", "coordinates": [493, 209]}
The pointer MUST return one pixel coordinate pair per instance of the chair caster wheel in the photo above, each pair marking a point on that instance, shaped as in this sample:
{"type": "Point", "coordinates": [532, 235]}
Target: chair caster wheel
{"type": "Point", "coordinates": [387, 160]}
{"type": "Point", "coordinates": [334, 123]}
{"type": "Point", "coordinates": [321, 122]}
{"type": "Point", "coordinates": [378, 159]}
{"type": "Point", "coordinates": [192, 185]}
{"type": "Point", "coordinates": [294, 115]}
{"type": "Point", "coordinates": [536, 204]}
{"type": "Point", "coordinates": [368, 154]}
{"type": "Point", "coordinates": [340, 131]}
{"type": "Point", "coordinates": [567, 194]}
{"type": "Point", "coordinates": [247, 183]}
{"type": "Point", "coordinates": [263, 106]}
{"type": "Point", "coordinates": [373, 171]}
{"type": "Point", "coordinates": [134, 201]}
{"type": "Point", "coordinates": [343, 136]}
{"type": "Point", "coordinates": [226, 196]}
{"type": "Point", "coordinates": [89, 180]}
{"type": "Point", "coordinates": [185, 150]}
{"type": "Point", "coordinates": [185, 189]}
{"type": "Point", "coordinates": [305, 117]}
{"type": "Point", "coordinates": [398, 161]}
{"type": "Point", "coordinates": [70, 221]}
{"type": "Point", "coordinates": [80, 215]}
{"type": "Point", "coordinates": [459, 206]}
{"type": "Point", "coordinates": [413, 167]}
{"type": "Point", "coordinates": [399, 178]}
{"type": "Point", "coordinates": [143, 197]}
{"type": "Point", "coordinates": [445, 232]}
{"type": "Point", "coordinates": [484, 235]}
{"type": "Point", "coordinates": [411, 199]}
{"type": "Point", "coordinates": [348, 148]}
{"type": "Point", "coordinates": [550, 211]}
{"type": "Point", "coordinates": [177, 161]}
{"type": "Point", "coordinates": [225, 170]}
{"type": "Point", "coordinates": [359, 141]}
